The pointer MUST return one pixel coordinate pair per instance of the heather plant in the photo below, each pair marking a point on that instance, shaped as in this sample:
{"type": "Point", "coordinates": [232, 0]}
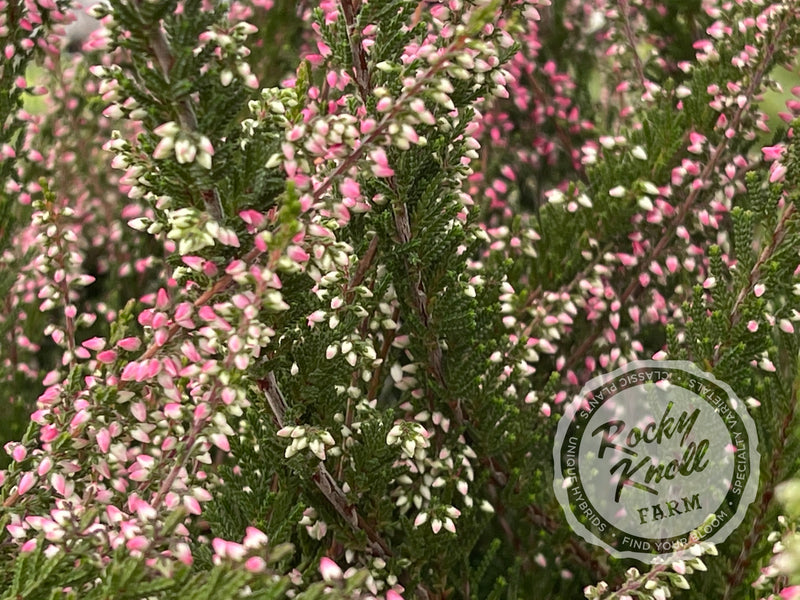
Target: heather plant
{"type": "Point", "coordinates": [295, 294]}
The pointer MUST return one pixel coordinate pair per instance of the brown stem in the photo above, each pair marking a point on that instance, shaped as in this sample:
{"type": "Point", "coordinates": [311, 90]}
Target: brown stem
{"type": "Point", "coordinates": [363, 266]}
{"type": "Point", "coordinates": [625, 10]}
{"type": "Point", "coordinates": [360, 69]}
{"type": "Point", "coordinates": [322, 478]}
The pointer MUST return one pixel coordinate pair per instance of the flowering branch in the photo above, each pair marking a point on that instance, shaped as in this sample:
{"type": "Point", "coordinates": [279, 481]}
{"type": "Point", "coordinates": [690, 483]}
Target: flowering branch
{"type": "Point", "coordinates": [160, 49]}
{"type": "Point", "coordinates": [322, 478]}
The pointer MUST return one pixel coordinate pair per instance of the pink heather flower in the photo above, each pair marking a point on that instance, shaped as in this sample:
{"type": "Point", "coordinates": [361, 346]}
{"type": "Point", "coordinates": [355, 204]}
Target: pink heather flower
{"type": "Point", "coordinates": [184, 553]}
{"type": "Point", "coordinates": [381, 167]}
{"type": "Point", "coordinates": [255, 564]}
{"type": "Point", "coordinates": [137, 543]}
{"type": "Point", "coordinates": [697, 140]}
{"type": "Point", "coordinates": [759, 289]}
{"type": "Point", "coordinates": [26, 483]}
{"type": "Point", "coordinates": [220, 440]}
{"type": "Point", "coordinates": [329, 570]}
{"type": "Point", "coordinates": [228, 396]}
{"type": "Point", "coordinates": [297, 254]}
{"type": "Point", "coordinates": [790, 593]}
{"type": "Point", "coordinates": [48, 433]}
{"type": "Point", "coordinates": [318, 316]}
{"type": "Point", "coordinates": [384, 104]}
{"type": "Point", "coordinates": [107, 357]}
{"type": "Point", "coordinates": [59, 483]}
{"type": "Point", "coordinates": [226, 549]}
{"type": "Point", "coordinates": [183, 311]}
{"type": "Point", "coordinates": [350, 188]}
{"type": "Point", "coordinates": [130, 344]}
{"type": "Point", "coordinates": [773, 152]}
{"type": "Point", "coordinates": [255, 538]}
{"type": "Point", "coordinates": [392, 595]}
{"type": "Point", "coordinates": [777, 173]}
{"type": "Point", "coordinates": [367, 126]}
{"type": "Point", "coordinates": [95, 344]}
{"type": "Point", "coordinates": [202, 412]}
{"type": "Point", "coordinates": [45, 466]}
{"type": "Point", "coordinates": [295, 133]}
{"type": "Point", "coordinates": [103, 440]}
{"type": "Point", "coordinates": [251, 217]}
{"type": "Point", "coordinates": [192, 505]}
{"type": "Point", "coordinates": [19, 453]}
{"type": "Point", "coordinates": [173, 410]}
{"type": "Point", "coordinates": [228, 237]}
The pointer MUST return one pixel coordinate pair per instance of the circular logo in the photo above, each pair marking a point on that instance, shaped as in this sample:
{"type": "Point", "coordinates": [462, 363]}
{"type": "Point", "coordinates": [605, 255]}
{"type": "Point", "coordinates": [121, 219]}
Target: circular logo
{"type": "Point", "coordinates": [652, 452]}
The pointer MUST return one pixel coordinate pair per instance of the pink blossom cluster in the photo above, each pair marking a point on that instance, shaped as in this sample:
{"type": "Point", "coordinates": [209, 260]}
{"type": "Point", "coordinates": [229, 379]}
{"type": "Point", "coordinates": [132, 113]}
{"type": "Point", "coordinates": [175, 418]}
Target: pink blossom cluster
{"type": "Point", "coordinates": [622, 288]}
{"type": "Point", "coordinates": [132, 417]}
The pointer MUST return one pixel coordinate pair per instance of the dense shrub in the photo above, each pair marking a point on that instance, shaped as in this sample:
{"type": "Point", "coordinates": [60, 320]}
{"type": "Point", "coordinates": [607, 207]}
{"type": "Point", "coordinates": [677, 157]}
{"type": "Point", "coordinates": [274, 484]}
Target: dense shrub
{"type": "Point", "coordinates": [295, 294]}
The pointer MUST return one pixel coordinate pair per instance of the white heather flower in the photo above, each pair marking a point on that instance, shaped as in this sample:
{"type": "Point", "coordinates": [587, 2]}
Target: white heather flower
{"type": "Point", "coordinates": [318, 448]}
{"type": "Point", "coordinates": [285, 431]}
{"type": "Point", "coordinates": [185, 151]}
{"type": "Point", "coordinates": [436, 525]}
{"type": "Point", "coordinates": [204, 160]}
{"type": "Point", "coordinates": [555, 196]}
{"type": "Point", "coordinates": [645, 203]}
{"type": "Point", "coordinates": [617, 191]}
{"type": "Point", "coordinates": [767, 365]}
{"type": "Point", "coordinates": [393, 436]}
{"type": "Point", "coordinates": [168, 129]}
{"type": "Point", "coordinates": [650, 188]}
{"type": "Point", "coordinates": [607, 141]}
{"type": "Point", "coordinates": [453, 512]}
{"type": "Point", "coordinates": [639, 152]}
{"type": "Point", "coordinates": [139, 224]}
